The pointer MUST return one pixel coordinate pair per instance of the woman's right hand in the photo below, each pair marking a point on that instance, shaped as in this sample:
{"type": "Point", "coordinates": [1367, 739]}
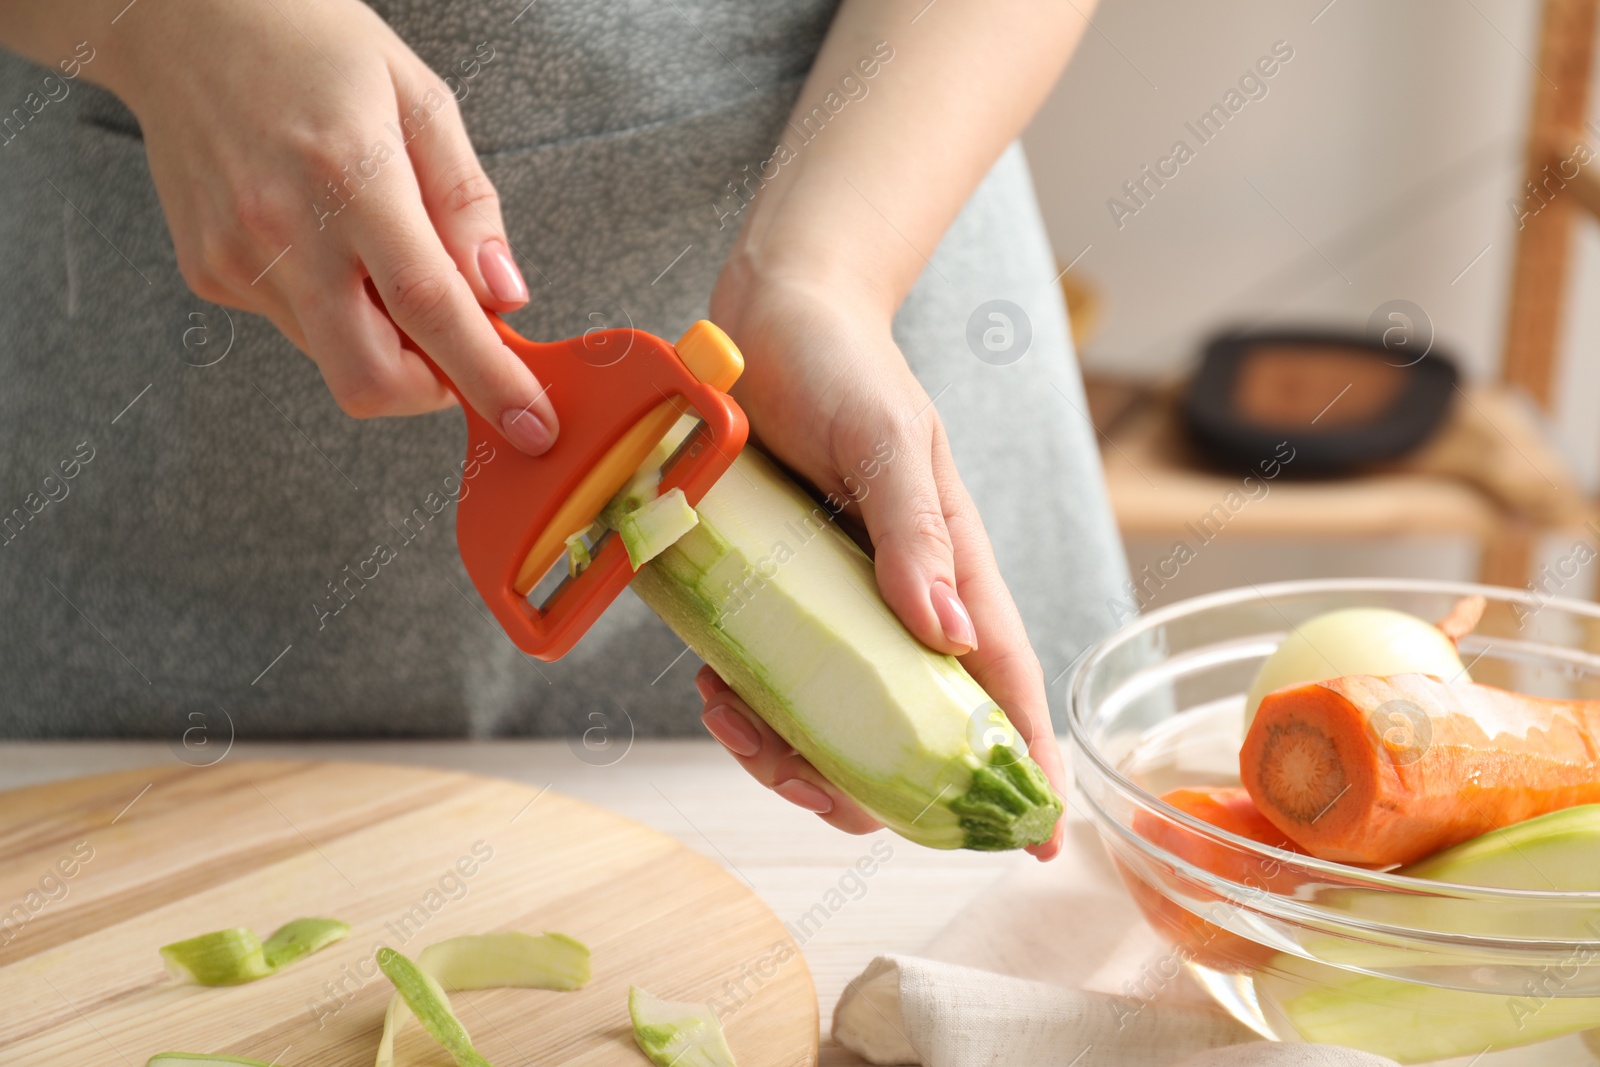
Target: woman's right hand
{"type": "Point", "coordinates": [313, 170]}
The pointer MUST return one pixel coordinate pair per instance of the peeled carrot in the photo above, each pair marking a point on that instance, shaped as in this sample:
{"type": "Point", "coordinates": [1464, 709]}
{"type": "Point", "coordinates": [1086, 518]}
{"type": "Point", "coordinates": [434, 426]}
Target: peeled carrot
{"type": "Point", "coordinates": [1380, 771]}
{"type": "Point", "coordinates": [1228, 808]}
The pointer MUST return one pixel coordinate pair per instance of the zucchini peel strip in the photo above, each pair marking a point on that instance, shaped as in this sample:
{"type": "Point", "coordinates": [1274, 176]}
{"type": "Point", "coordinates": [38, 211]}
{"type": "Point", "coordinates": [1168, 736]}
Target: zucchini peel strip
{"type": "Point", "coordinates": [472, 961]}
{"type": "Point", "coordinates": [296, 940]}
{"type": "Point", "coordinates": [223, 957]}
{"type": "Point", "coordinates": [419, 992]}
{"type": "Point", "coordinates": [674, 1034]}
{"type": "Point", "coordinates": [237, 955]}
{"type": "Point", "coordinates": [655, 526]}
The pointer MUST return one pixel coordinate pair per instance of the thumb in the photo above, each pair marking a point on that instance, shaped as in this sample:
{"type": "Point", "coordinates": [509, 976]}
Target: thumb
{"type": "Point", "coordinates": [904, 517]}
{"type": "Point", "coordinates": [462, 203]}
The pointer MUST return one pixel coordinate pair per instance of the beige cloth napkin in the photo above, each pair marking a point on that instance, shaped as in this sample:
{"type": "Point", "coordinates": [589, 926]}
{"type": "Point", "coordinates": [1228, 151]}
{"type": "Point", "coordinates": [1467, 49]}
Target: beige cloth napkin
{"type": "Point", "coordinates": [1054, 968]}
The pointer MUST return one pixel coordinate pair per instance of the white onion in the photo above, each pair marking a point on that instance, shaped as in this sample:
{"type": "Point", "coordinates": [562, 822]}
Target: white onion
{"type": "Point", "coordinates": [1376, 641]}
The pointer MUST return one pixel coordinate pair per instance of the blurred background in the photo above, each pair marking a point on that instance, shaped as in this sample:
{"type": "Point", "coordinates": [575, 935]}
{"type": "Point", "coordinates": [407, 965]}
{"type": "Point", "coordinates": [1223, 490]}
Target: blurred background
{"type": "Point", "coordinates": [1384, 162]}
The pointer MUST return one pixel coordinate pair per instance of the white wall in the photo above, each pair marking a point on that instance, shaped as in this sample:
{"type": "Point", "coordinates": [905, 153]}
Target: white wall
{"type": "Point", "coordinates": [1390, 144]}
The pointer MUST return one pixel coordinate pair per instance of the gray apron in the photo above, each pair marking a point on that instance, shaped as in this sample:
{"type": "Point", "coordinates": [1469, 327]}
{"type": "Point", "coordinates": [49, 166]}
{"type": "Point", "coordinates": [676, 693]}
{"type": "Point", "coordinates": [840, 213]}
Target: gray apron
{"type": "Point", "coordinates": [185, 504]}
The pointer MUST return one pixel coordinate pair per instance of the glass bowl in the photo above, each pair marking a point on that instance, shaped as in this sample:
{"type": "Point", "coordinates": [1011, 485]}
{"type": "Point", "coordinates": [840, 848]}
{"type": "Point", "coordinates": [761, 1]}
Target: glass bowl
{"type": "Point", "coordinates": [1302, 949]}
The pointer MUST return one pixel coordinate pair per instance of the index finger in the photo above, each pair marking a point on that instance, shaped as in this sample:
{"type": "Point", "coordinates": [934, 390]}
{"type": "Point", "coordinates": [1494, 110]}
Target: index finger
{"type": "Point", "coordinates": [428, 297]}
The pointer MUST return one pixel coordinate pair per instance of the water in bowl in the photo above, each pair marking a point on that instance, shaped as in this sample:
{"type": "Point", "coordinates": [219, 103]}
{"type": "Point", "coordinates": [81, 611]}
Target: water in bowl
{"type": "Point", "coordinates": [1200, 747]}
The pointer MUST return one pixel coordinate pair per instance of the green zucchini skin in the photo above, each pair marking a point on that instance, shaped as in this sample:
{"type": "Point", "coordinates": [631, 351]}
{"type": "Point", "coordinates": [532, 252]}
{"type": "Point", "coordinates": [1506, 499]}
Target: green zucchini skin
{"type": "Point", "coordinates": [785, 607]}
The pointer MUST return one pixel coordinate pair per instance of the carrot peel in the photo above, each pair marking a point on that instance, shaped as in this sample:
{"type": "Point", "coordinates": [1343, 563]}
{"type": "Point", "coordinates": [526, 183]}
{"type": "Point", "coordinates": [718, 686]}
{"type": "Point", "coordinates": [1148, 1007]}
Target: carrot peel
{"type": "Point", "coordinates": [1463, 618]}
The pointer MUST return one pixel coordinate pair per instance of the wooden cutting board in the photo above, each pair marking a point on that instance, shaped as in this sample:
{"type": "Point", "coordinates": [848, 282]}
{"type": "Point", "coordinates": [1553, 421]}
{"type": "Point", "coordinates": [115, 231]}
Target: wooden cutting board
{"type": "Point", "coordinates": [97, 873]}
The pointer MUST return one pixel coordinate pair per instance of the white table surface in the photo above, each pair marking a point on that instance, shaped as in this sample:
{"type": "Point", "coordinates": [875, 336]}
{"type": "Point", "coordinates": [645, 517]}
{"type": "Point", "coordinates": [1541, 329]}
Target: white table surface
{"type": "Point", "coordinates": [689, 789]}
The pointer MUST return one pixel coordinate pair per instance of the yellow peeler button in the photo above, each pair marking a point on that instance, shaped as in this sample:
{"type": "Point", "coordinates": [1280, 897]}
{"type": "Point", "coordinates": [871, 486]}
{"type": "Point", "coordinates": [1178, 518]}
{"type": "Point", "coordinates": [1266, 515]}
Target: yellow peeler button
{"type": "Point", "coordinates": [710, 355]}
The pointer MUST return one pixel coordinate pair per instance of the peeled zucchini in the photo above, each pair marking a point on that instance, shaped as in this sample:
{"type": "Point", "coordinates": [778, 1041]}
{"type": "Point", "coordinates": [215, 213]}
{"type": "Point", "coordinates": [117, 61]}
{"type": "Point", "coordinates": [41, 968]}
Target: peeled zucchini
{"type": "Point", "coordinates": [772, 594]}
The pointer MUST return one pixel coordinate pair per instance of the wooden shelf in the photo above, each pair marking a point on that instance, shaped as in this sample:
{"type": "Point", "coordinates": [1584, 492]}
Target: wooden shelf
{"type": "Point", "coordinates": [1490, 465]}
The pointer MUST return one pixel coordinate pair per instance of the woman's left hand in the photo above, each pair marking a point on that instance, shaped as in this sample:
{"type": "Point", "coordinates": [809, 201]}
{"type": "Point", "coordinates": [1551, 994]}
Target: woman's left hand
{"type": "Point", "coordinates": [829, 395]}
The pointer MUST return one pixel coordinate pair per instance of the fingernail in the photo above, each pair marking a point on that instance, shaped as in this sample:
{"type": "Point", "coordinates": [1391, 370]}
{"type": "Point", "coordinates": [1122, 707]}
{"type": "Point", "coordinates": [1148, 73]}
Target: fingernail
{"type": "Point", "coordinates": [500, 272]}
{"type": "Point", "coordinates": [733, 730]}
{"type": "Point", "coordinates": [953, 617]}
{"type": "Point", "coordinates": [804, 794]}
{"type": "Point", "coordinates": [527, 431]}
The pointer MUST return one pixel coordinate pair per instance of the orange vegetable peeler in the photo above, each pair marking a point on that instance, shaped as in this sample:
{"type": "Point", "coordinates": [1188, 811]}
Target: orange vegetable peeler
{"type": "Point", "coordinates": [617, 393]}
